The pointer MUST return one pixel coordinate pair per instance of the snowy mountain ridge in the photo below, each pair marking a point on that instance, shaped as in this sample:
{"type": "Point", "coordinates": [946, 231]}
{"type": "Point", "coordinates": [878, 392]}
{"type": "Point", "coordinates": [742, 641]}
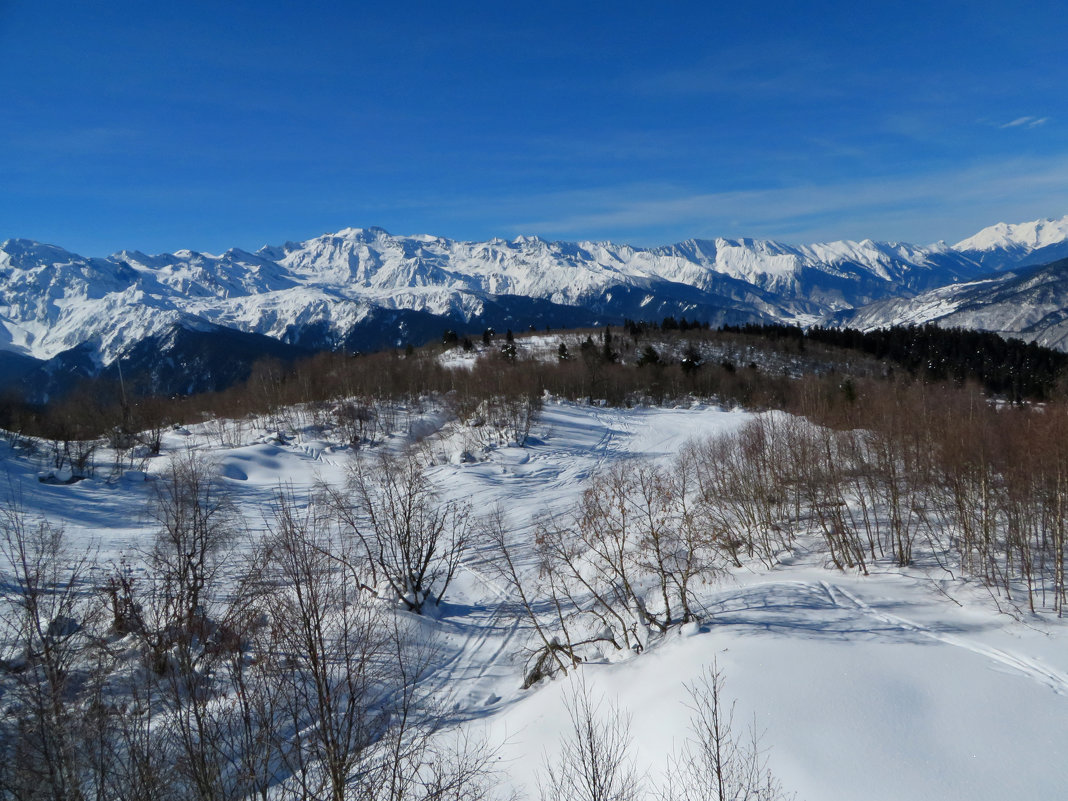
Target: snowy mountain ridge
{"type": "Point", "coordinates": [1005, 246]}
{"type": "Point", "coordinates": [363, 287]}
{"type": "Point", "coordinates": [1022, 236]}
{"type": "Point", "coordinates": [1029, 303]}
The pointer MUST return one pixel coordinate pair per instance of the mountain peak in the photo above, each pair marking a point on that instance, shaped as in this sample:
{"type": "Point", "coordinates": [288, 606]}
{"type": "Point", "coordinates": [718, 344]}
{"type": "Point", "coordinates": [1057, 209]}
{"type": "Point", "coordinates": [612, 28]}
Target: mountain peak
{"type": "Point", "coordinates": [359, 234]}
{"type": "Point", "coordinates": [1028, 235]}
{"type": "Point", "coordinates": [529, 239]}
{"type": "Point", "coordinates": [30, 253]}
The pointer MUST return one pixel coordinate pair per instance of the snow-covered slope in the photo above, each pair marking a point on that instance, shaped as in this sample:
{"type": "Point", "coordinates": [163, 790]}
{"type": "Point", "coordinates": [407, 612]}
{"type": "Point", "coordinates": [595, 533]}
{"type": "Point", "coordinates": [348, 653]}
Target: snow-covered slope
{"type": "Point", "coordinates": [1028, 303]}
{"type": "Point", "coordinates": [904, 684]}
{"type": "Point", "coordinates": [361, 288]}
{"type": "Point", "coordinates": [1007, 245]}
{"type": "Point", "coordinates": [837, 274]}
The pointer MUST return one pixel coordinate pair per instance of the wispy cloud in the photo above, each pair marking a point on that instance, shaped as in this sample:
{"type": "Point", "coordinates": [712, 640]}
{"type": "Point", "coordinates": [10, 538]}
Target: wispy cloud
{"type": "Point", "coordinates": [919, 208]}
{"type": "Point", "coordinates": [75, 140]}
{"type": "Point", "coordinates": [786, 71]}
{"type": "Point", "coordinates": [1026, 122]}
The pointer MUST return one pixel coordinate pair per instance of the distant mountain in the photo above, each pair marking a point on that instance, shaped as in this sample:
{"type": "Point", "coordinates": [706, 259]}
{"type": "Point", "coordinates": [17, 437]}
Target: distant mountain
{"type": "Point", "coordinates": [361, 289]}
{"type": "Point", "coordinates": [1005, 246]}
{"type": "Point", "coordinates": [1030, 303]}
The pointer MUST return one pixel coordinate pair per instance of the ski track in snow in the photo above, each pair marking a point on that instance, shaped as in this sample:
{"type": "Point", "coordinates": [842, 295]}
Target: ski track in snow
{"type": "Point", "coordinates": [1054, 679]}
{"type": "Point", "coordinates": [826, 610]}
{"type": "Point", "coordinates": [459, 681]}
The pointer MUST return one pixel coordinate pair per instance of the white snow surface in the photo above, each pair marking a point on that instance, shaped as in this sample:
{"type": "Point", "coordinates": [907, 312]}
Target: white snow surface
{"type": "Point", "coordinates": [901, 685]}
{"type": "Point", "coordinates": [1019, 236]}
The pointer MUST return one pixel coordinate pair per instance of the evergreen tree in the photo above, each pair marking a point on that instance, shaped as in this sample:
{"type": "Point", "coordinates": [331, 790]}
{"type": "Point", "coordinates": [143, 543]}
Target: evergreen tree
{"type": "Point", "coordinates": [648, 356]}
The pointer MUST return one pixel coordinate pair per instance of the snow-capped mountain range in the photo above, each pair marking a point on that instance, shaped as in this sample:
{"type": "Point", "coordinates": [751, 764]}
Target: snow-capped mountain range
{"type": "Point", "coordinates": [364, 288]}
{"type": "Point", "coordinates": [1030, 303]}
{"type": "Point", "coordinates": [1003, 245]}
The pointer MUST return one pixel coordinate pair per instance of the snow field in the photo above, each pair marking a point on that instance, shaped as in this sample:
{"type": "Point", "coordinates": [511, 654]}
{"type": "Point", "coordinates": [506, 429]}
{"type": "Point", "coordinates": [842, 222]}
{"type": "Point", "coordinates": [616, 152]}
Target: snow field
{"type": "Point", "coordinates": [900, 685]}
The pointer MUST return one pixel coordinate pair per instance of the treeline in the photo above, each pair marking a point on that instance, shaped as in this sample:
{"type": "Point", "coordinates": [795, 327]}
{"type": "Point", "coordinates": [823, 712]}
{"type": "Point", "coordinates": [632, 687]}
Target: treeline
{"type": "Point", "coordinates": [753, 366]}
{"type": "Point", "coordinates": [1009, 368]}
{"type": "Point", "coordinates": [938, 472]}
{"type": "Point", "coordinates": [602, 365]}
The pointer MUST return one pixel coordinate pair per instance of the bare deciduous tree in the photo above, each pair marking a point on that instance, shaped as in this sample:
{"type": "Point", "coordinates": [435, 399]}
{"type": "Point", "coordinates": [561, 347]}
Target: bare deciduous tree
{"type": "Point", "coordinates": [594, 762]}
{"type": "Point", "coordinates": [196, 534]}
{"type": "Point", "coordinates": [46, 639]}
{"type": "Point", "coordinates": [193, 616]}
{"type": "Point", "coordinates": [412, 540]}
{"type": "Point", "coordinates": [553, 652]}
{"type": "Point", "coordinates": [353, 719]}
{"type": "Point", "coordinates": [328, 639]}
{"type": "Point", "coordinates": [718, 763]}
{"type": "Point", "coordinates": [624, 565]}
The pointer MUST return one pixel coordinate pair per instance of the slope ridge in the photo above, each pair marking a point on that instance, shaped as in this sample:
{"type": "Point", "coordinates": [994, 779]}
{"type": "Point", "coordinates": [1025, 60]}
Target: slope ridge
{"type": "Point", "coordinates": [1027, 303]}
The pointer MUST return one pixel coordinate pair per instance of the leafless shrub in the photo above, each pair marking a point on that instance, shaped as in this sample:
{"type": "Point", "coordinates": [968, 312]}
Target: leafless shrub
{"type": "Point", "coordinates": [412, 540]}
{"type": "Point", "coordinates": [594, 762]}
{"type": "Point", "coordinates": [743, 479]}
{"type": "Point", "coordinates": [357, 421]}
{"type": "Point", "coordinates": [328, 641]}
{"type": "Point", "coordinates": [553, 652]}
{"type": "Point", "coordinates": [197, 531]}
{"type": "Point", "coordinates": [192, 614]}
{"type": "Point", "coordinates": [626, 561]}
{"type": "Point", "coordinates": [718, 763]}
{"type": "Point", "coordinates": [352, 718]}
{"type": "Point", "coordinates": [513, 414]}
{"type": "Point", "coordinates": [46, 669]}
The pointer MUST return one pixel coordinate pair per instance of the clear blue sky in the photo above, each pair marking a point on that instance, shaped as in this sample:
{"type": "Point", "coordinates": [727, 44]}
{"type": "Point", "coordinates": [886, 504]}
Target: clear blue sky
{"type": "Point", "coordinates": [158, 126]}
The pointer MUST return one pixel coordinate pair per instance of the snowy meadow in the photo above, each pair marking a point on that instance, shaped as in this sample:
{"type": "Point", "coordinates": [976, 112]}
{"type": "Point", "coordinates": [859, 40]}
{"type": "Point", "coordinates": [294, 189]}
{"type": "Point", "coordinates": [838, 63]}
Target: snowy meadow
{"type": "Point", "coordinates": [266, 610]}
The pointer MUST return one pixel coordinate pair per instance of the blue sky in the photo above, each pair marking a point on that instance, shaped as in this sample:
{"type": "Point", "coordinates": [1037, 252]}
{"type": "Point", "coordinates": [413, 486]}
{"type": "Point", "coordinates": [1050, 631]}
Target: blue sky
{"type": "Point", "coordinates": [209, 125]}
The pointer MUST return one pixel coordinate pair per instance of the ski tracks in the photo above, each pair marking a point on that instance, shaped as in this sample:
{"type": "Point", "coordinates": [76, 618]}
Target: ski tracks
{"type": "Point", "coordinates": [618, 430]}
{"type": "Point", "coordinates": [463, 683]}
{"type": "Point", "coordinates": [317, 453]}
{"type": "Point", "coordinates": [1049, 677]}
{"type": "Point", "coordinates": [466, 681]}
